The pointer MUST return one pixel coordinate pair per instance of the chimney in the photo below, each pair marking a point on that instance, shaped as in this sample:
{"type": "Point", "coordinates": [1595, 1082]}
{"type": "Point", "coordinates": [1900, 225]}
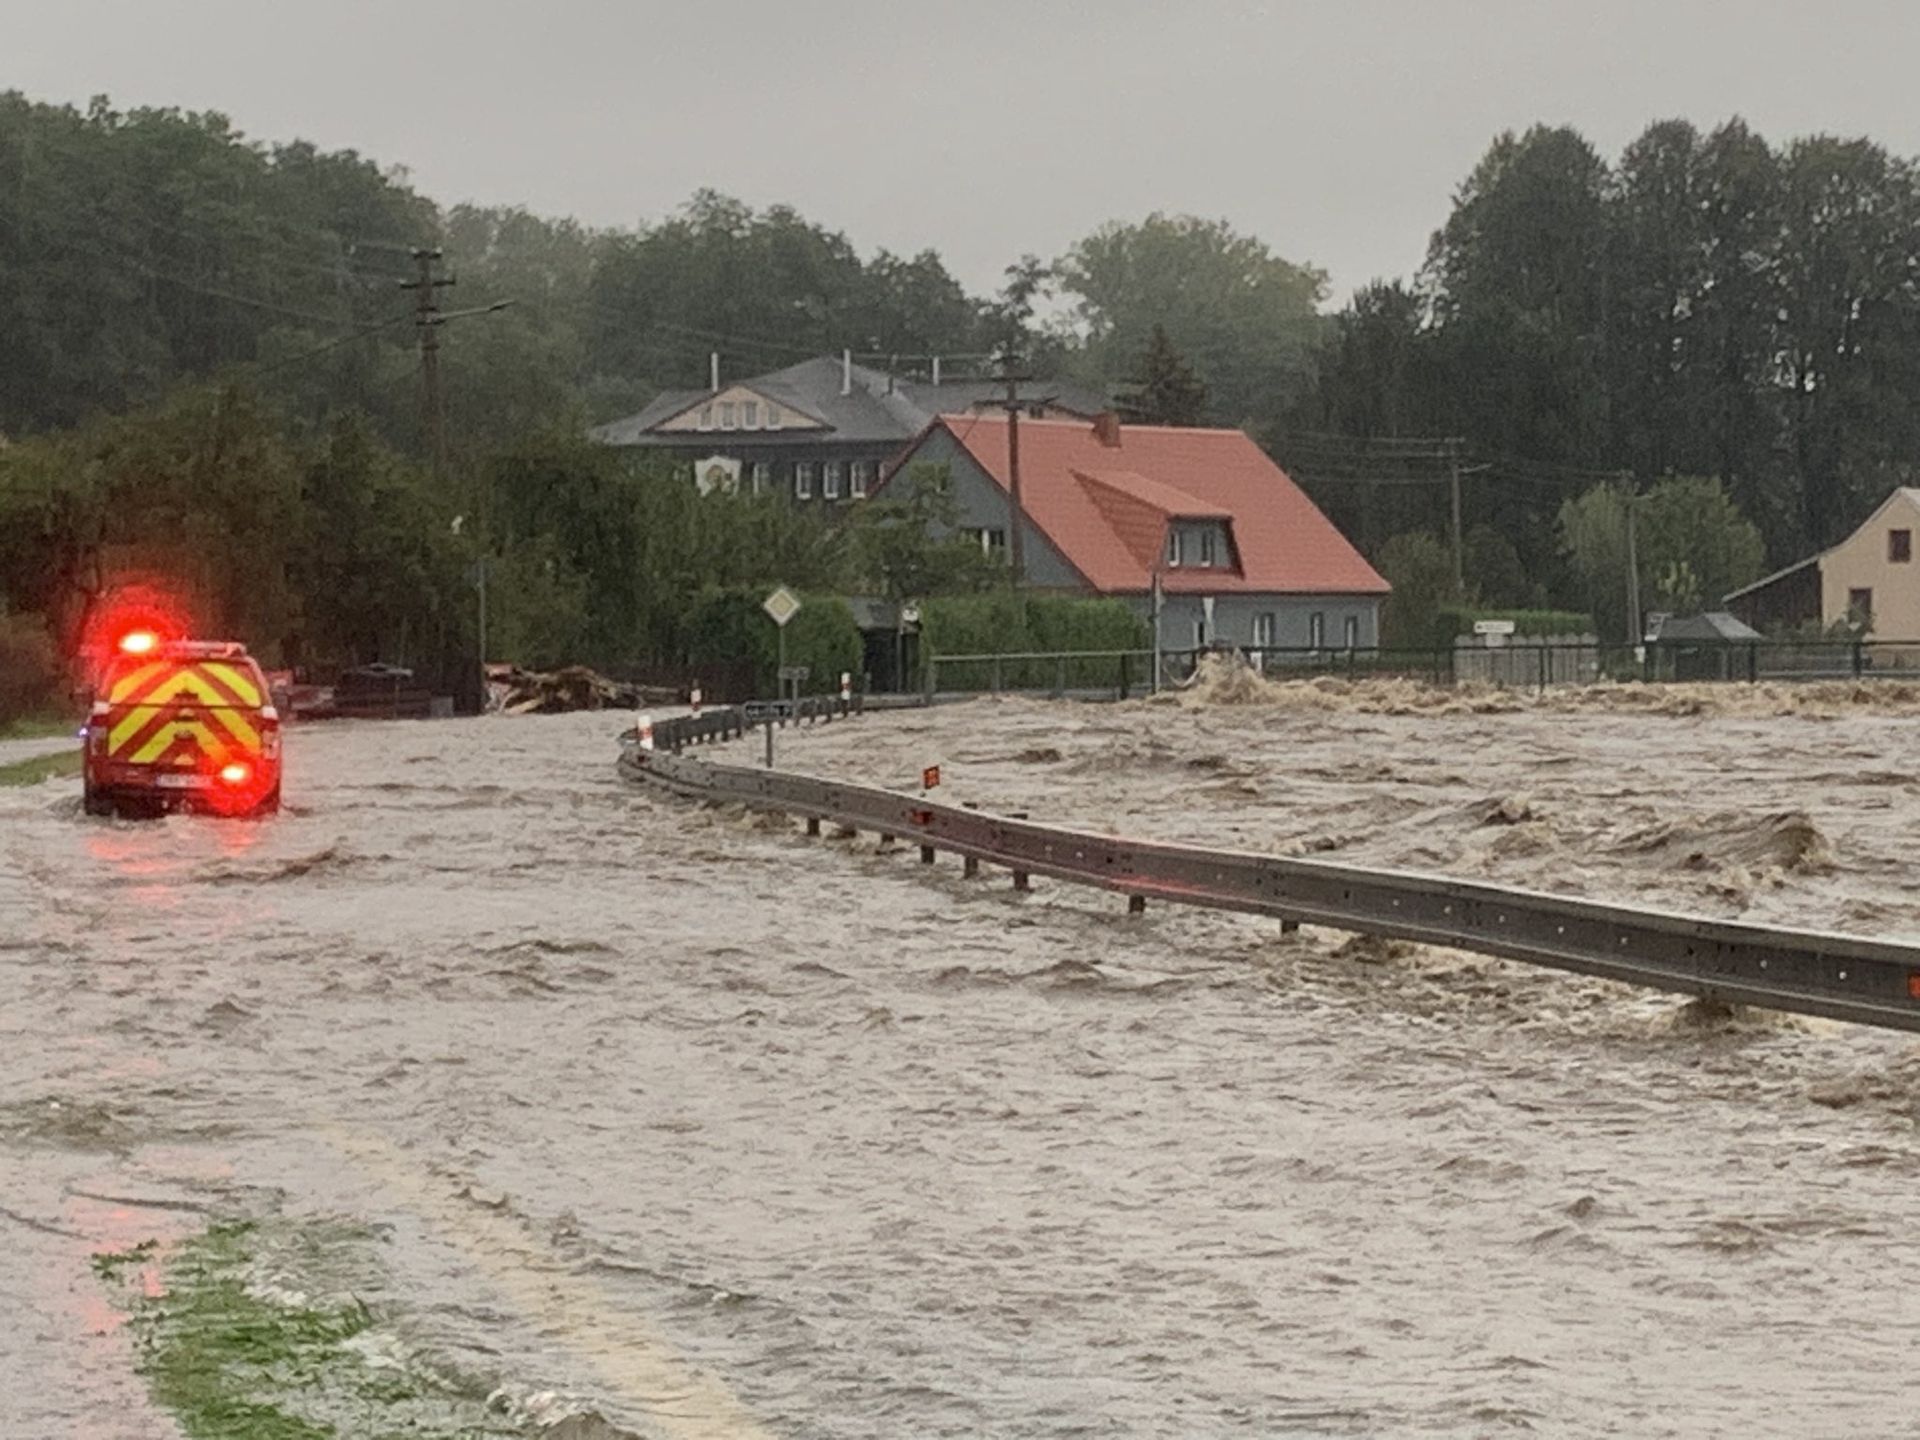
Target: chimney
{"type": "Point", "coordinates": [713, 371]}
{"type": "Point", "coordinates": [1106, 429]}
{"type": "Point", "coordinates": [846, 372]}
{"type": "Point", "coordinates": [936, 370]}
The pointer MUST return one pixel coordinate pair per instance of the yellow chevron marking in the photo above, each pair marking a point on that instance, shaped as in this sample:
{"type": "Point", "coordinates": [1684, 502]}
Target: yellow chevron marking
{"type": "Point", "coordinates": [164, 737]}
{"type": "Point", "coordinates": [236, 680]}
{"type": "Point", "coordinates": [129, 685]}
{"type": "Point", "coordinates": [129, 725]}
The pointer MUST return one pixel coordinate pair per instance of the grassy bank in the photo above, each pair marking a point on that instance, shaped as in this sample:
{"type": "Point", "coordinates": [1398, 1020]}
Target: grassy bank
{"type": "Point", "coordinates": [254, 1332]}
{"type": "Point", "coordinates": [41, 767]}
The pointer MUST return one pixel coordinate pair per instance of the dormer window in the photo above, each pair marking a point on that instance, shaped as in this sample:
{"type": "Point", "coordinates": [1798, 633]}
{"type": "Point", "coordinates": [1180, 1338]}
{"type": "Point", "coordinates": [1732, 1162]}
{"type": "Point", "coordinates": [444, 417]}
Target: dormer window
{"type": "Point", "coordinates": [749, 414]}
{"type": "Point", "coordinates": [1174, 547]}
{"type": "Point", "coordinates": [1209, 548]}
{"type": "Point", "coordinates": [773, 416]}
{"type": "Point", "coordinates": [706, 417]}
{"type": "Point", "coordinates": [726, 415]}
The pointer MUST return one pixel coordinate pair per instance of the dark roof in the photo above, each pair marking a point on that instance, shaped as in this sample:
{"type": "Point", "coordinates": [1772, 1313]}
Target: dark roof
{"type": "Point", "coordinates": [1713, 625]}
{"type": "Point", "coordinates": [879, 408]}
{"type": "Point", "coordinates": [1764, 581]}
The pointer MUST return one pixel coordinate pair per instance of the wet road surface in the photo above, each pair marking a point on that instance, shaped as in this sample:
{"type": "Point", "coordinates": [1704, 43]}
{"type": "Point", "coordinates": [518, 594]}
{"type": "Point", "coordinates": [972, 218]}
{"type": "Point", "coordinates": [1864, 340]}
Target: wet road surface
{"type": "Point", "coordinates": [643, 1097]}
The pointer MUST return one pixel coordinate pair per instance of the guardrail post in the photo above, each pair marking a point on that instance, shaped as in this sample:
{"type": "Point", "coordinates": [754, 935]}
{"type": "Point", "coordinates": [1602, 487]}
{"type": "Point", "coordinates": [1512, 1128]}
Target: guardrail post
{"type": "Point", "coordinates": [1022, 881]}
{"type": "Point", "coordinates": [813, 821]}
{"type": "Point", "coordinates": [970, 867]}
{"type": "Point", "coordinates": [1859, 659]}
{"type": "Point", "coordinates": [1126, 667]}
{"type": "Point", "coordinates": [1753, 663]}
{"type": "Point", "coordinates": [1059, 676]}
{"type": "Point", "coordinates": [1136, 904]}
{"type": "Point", "coordinates": [929, 668]}
{"type": "Point", "coordinates": [926, 854]}
{"type": "Point", "coordinates": [993, 685]}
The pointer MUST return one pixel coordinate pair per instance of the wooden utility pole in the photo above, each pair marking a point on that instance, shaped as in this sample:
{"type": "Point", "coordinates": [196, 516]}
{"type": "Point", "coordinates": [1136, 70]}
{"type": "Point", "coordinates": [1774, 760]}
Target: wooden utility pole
{"type": "Point", "coordinates": [1459, 544]}
{"type": "Point", "coordinates": [1636, 632]}
{"type": "Point", "coordinates": [1016, 509]}
{"type": "Point", "coordinates": [427, 319]}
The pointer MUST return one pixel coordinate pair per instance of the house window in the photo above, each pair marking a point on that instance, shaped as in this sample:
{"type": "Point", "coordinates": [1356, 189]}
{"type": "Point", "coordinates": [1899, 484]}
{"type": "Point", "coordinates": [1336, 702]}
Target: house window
{"type": "Point", "coordinates": [803, 480]}
{"type": "Point", "coordinates": [1263, 630]}
{"type": "Point", "coordinates": [726, 415]}
{"type": "Point", "coordinates": [862, 478]}
{"type": "Point", "coordinates": [1200, 634]}
{"type": "Point", "coordinates": [773, 416]}
{"type": "Point", "coordinates": [762, 476]}
{"type": "Point", "coordinates": [1900, 546]}
{"type": "Point", "coordinates": [830, 481]}
{"type": "Point", "coordinates": [1207, 551]}
{"type": "Point", "coordinates": [706, 417]}
{"type": "Point", "coordinates": [749, 414]}
{"type": "Point", "coordinates": [1316, 630]}
{"type": "Point", "coordinates": [1173, 549]}
{"type": "Point", "coordinates": [992, 542]}
{"type": "Point", "coordinates": [1352, 637]}
{"type": "Point", "coordinates": [1860, 606]}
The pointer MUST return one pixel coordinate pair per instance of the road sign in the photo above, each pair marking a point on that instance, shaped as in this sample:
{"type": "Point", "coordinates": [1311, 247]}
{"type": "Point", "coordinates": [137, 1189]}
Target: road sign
{"type": "Point", "coordinates": [782, 605]}
{"type": "Point", "coordinates": [796, 673]}
{"type": "Point", "coordinates": [760, 711]}
{"type": "Point", "coordinates": [1493, 627]}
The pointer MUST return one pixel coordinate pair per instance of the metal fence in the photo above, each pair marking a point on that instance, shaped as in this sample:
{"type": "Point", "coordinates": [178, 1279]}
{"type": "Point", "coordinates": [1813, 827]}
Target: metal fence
{"type": "Point", "coordinates": [1531, 663]}
{"type": "Point", "coordinates": [1843, 977]}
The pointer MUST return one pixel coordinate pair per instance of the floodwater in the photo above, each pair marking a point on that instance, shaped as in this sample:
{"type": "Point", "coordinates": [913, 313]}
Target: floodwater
{"type": "Point", "coordinates": [718, 1130]}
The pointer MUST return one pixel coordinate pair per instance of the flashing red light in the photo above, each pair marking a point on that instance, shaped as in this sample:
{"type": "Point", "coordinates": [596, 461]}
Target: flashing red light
{"type": "Point", "coordinates": [138, 642]}
{"type": "Point", "coordinates": [236, 773]}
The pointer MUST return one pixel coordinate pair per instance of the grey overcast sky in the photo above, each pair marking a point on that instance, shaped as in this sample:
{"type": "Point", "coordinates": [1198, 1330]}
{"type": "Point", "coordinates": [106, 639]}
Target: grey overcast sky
{"type": "Point", "coordinates": [1336, 131]}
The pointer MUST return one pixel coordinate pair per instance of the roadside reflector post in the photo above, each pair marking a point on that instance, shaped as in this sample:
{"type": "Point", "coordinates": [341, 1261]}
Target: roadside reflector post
{"type": "Point", "coordinates": [770, 749]}
{"type": "Point", "coordinates": [846, 689]}
{"type": "Point", "coordinates": [644, 728]}
{"type": "Point", "coordinates": [1136, 904]}
{"type": "Point", "coordinates": [970, 867]}
{"type": "Point", "coordinates": [1021, 881]}
{"type": "Point", "coordinates": [693, 697]}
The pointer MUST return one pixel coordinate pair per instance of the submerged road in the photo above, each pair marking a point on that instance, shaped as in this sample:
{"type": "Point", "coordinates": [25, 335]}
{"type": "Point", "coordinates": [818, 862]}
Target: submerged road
{"type": "Point", "coordinates": [723, 1131]}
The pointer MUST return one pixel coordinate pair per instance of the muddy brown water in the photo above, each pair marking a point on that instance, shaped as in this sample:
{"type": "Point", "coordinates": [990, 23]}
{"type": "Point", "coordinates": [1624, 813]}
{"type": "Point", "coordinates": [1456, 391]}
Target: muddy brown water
{"type": "Point", "coordinates": [888, 1153]}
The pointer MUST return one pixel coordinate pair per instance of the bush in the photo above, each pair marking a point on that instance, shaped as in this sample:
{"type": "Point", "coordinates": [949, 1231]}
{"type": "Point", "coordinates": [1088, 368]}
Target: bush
{"type": "Point", "coordinates": [30, 674]}
{"type": "Point", "coordinates": [1004, 623]}
{"type": "Point", "coordinates": [727, 626]}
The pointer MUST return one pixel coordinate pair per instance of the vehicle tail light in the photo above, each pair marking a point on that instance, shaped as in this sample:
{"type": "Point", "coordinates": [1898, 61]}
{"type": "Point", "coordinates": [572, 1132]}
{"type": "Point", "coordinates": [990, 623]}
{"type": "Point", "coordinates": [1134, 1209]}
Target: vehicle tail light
{"type": "Point", "coordinates": [138, 642]}
{"type": "Point", "coordinates": [236, 773]}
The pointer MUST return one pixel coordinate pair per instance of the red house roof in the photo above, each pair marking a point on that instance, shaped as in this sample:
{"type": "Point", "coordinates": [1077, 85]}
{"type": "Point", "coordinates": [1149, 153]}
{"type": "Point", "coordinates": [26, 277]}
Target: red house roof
{"type": "Point", "coordinates": [1105, 507]}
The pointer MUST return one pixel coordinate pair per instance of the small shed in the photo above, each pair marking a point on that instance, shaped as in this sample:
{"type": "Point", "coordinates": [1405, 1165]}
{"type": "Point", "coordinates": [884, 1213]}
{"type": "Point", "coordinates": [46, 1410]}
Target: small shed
{"type": "Point", "coordinates": [1713, 645]}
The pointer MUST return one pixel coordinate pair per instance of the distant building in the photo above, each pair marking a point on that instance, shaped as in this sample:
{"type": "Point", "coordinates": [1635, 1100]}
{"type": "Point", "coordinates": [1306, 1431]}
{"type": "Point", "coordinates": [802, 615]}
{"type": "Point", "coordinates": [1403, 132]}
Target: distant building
{"type": "Point", "coordinates": [1242, 556]}
{"type": "Point", "coordinates": [1869, 578]}
{"type": "Point", "coordinates": [821, 432]}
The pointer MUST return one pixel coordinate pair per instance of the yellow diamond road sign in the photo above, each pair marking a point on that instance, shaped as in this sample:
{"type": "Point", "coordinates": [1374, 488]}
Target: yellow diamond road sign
{"type": "Point", "coordinates": [782, 605]}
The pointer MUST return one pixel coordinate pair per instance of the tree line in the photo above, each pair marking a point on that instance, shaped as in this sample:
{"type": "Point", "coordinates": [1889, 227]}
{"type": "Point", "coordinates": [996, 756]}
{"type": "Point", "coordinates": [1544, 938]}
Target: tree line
{"type": "Point", "coordinates": [206, 331]}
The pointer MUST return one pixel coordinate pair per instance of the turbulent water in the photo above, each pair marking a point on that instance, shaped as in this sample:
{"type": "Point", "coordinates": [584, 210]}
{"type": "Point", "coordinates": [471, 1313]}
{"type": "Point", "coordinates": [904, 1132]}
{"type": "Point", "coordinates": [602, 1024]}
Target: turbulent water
{"type": "Point", "coordinates": [633, 1091]}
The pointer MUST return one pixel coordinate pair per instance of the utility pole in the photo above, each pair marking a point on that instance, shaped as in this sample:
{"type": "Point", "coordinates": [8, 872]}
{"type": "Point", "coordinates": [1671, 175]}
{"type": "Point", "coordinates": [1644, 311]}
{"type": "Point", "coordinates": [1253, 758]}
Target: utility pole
{"type": "Point", "coordinates": [1017, 511]}
{"type": "Point", "coordinates": [427, 319]}
{"type": "Point", "coordinates": [1636, 632]}
{"type": "Point", "coordinates": [1459, 545]}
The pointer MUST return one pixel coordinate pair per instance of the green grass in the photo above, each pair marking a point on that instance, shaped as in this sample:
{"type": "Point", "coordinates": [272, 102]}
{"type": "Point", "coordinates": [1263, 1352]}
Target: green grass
{"type": "Point", "coordinates": [41, 767]}
{"type": "Point", "coordinates": [233, 1358]}
{"type": "Point", "coordinates": [37, 727]}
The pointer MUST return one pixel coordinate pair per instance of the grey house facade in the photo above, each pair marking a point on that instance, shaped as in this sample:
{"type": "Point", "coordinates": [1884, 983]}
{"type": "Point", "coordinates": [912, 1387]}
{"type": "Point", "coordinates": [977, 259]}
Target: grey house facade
{"type": "Point", "coordinates": [1241, 556]}
{"type": "Point", "coordinates": [822, 432]}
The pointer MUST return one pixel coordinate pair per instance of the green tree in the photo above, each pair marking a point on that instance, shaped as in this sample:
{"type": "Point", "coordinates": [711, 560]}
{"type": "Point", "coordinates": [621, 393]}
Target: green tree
{"type": "Point", "coordinates": [1420, 568]}
{"type": "Point", "coordinates": [1164, 390]}
{"type": "Point", "coordinates": [1693, 546]}
{"type": "Point", "coordinates": [901, 544]}
{"type": "Point", "coordinates": [1247, 319]}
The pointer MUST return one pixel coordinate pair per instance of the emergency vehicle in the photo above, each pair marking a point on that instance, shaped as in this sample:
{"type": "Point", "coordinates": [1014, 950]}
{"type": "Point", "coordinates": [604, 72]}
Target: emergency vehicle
{"type": "Point", "coordinates": [182, 724]}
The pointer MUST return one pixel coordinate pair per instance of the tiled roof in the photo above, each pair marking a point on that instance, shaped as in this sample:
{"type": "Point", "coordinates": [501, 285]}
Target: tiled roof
{"type": "Point", "coordinates": [1105, 507]}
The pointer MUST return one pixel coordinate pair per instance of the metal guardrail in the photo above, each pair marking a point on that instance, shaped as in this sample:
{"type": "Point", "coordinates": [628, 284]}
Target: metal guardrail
{"type": "Point", "coordinates": [1842, 977]}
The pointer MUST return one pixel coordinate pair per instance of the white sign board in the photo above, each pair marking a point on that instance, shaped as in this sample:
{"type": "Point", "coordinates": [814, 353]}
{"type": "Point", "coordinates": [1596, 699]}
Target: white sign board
{"type": "Point", "coordinates": [782, 605]}
{"type": "Point", "coordinates": [1493, 627]}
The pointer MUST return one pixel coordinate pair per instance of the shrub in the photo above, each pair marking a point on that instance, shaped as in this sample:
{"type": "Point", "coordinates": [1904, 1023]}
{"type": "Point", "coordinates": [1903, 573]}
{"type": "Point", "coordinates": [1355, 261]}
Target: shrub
{"type": "Point", "coordinates": [30, 674]}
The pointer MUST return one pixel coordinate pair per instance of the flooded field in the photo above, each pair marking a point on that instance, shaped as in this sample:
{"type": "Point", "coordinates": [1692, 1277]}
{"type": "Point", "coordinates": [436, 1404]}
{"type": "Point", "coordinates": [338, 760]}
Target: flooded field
{"type": "Point", "coordinates": [676, 1116]}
